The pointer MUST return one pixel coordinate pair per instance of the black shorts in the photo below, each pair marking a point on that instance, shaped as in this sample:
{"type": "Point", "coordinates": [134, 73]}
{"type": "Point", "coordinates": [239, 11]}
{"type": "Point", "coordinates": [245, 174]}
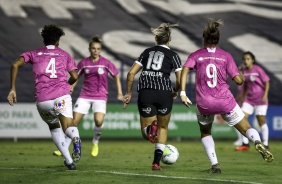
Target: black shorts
{"type": "Point", "coordinates": [154, 102]}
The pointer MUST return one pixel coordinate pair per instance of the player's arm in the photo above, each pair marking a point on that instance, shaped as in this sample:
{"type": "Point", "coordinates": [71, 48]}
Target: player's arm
{"type": "Point", "coordinates": [119, 90]}
{"type": "Point", "coordinates": [129, 83]}
{"type": "Point", "coordinates": [12, 97]}
{"type": "Point", "coordinates": [183, 80]}
{"type": "Point", "coordinates": [266, 90]}
{"type": "Point", "coordinates": [177, 84]}
{"type": "Point", "coordinates": [73, 77]}
{"type": "Point", "coordinates": [239, 79]}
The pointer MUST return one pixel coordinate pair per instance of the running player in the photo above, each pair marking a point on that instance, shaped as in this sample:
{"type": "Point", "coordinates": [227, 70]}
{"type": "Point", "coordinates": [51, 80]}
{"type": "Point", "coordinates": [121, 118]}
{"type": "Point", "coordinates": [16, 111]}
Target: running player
{"type": "Point", "coordinates": [156, 95]}
{"type": "Point", "coordinates": [52, 90]}
{"type": "Point", "coordinates": [213, 96]}
{"type": "Point", "coordinates": [95, 69]}
{"type": "Point", "coordinates": [256, 97]}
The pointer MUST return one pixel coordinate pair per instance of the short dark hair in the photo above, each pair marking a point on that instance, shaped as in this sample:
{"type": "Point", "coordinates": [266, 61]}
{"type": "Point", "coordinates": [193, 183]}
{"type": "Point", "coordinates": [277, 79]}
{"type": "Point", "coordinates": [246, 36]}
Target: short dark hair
{"type": "Point", "coordinates": [251, 54]}
{"type": "Point", "coordinates": [51, 34]}
{"type": "Point", "coordinates": [96, 39]}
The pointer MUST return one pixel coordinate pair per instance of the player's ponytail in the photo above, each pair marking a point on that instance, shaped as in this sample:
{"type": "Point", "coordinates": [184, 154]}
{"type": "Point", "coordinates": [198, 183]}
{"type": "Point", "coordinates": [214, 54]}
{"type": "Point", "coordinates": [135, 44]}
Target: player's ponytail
{"type": "Point", "coordinates": [163, 32]}
{"type": "Point", "coordinates": [211, 32]}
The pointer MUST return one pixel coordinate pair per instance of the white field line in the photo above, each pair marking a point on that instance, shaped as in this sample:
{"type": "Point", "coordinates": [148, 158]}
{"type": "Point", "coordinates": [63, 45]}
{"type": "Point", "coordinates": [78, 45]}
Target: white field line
{"type": "Point", "coordinates": [136, 174]}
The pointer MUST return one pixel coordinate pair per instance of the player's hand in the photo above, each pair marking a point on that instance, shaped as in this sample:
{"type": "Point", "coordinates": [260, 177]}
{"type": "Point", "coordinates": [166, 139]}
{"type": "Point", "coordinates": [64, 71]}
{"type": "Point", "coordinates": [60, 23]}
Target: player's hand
{"type": "Point", "coordinates": [120, 97]}
{"type": "Point", "coordinates": [12, 97]}
{"type": "Point", "coordinates": [264, 99]}
{"type": "Point", "coordinates": [126, 99]}
{"type": "Point", "coordinates": [186, 101]}
{"type": "Point", "coordinates": [71, 90]}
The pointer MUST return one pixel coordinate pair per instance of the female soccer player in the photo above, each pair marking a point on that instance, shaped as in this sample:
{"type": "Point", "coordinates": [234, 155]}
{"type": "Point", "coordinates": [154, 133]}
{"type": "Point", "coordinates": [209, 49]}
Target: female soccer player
{"type": "Point", "coordinates": [212, 66]}
{"type": "Point", "coordinates": [256, 97]}
{"type": "Point", "coordinates": [95, 89]}
{"type": "Point", "coordinates": [52, 90]}
{"type": "Point", "coordinates": [156, 95]}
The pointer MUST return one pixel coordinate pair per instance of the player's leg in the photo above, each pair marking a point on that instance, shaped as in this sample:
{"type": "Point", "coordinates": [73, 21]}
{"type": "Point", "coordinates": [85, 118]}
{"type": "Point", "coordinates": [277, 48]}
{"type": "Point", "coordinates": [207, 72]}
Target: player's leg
{"type": "Point", "coordinates": [205, 124]}
{"type": "Point", "coordinates": [260, 112]}
{"type": "Point", "coordinates": [242, 124]}
{"type": "Point", "coordinates": [148, 112]}
{"type": "Point", "coordinates": [63, 108]}
{"type": "Point", "coordinates": [248, 109]}
{"type": "Point", "coordinates": [99, 110]}
{"type": "Point", "coordinates": [46, 111]}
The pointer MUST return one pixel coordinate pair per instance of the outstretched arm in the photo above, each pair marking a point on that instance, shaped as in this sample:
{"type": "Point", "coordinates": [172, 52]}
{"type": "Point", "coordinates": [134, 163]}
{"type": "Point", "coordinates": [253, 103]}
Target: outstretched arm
{"type": "Point", "coordinates": [185, 100]}
{"type": "Point", "coordinates": [12, 97]}
{"type": "Point", "coordinates": [119, 90]}
{"type": "Point", "coordinates": [129, 83]}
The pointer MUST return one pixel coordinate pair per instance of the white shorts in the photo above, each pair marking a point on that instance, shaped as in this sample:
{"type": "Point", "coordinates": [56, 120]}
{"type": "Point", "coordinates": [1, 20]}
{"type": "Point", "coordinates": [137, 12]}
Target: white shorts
{"type": "Point", "coordinates": [50, 109]}
{"type": "Point", "coordinates": [232, 118]}
{"type": "Point", "coordinates": [257, 109]}
{"type": "Point", "coordinates": [83, 105]}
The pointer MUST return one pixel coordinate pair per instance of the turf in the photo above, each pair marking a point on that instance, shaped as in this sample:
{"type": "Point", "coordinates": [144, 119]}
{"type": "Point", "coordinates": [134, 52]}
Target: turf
{"type": "Point", "coordinates": [130, 162]}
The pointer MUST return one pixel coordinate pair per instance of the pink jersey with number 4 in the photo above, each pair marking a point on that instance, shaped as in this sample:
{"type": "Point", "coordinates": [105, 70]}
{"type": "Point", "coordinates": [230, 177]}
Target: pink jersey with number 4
{"type": "Point", "coordinates": [95, 86]}
{"type": "Point", "coordinates": [50, 68]}
{"type": "Point", "coordinates": [212, 66]}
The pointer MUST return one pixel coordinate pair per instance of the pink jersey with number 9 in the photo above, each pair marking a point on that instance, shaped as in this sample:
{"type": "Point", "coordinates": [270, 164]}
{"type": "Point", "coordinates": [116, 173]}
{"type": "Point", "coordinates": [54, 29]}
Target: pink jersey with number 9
{"type": "Point", "coordinates": [50, 69]}
{"type": "Point", "coordinates": [212, 66]}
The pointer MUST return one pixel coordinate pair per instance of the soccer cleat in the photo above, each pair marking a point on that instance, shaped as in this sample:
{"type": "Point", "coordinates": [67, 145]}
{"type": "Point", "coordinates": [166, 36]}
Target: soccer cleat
{"type": "Point", "coordinates": [95, 150]}
{"type": "Point", "coordinates": [267, 147]}
{"type": "Point", "coordinates": [215, 169]}
{"type": "Point", "coordinates": [70, 166]}
{"type": "Point", "coordinates": [153, 132]}
{"type": "Point", "coordinates": [238, 142]}
{"type": "Point", "coordinates": [57, 153]}
{"type": "Point", "coordinates": [242, 148]}
{"type": "Point", "coordinates": [266, 155]}
{"type": "Point", "coordinates": [156, 167]}
{"type": "Point", "coordinates": [76, 155]}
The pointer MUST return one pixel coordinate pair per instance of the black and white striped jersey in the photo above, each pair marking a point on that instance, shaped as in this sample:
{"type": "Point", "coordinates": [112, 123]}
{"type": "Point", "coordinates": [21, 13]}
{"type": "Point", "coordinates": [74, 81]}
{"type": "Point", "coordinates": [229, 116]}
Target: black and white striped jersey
{"type": "Point", "coordinates": [157, 62]}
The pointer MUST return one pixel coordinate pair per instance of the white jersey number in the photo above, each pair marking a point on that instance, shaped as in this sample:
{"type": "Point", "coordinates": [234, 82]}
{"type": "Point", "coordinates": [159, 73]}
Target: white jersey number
{"type": "Point", "coordinates": [51, 68]}
{"type": "Point", "coordinates": [155, 60]}
{"type": "Point", "coordinates": [212, 74]}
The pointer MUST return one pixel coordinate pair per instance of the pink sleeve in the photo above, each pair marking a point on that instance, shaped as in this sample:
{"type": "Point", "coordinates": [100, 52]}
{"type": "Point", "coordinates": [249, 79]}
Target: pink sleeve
{"type": "Point", "coordinates": [112, 69]}
{"type": "Point", "coordinates": [27, 56]}
{"type": "Point", "coordinates": [190, 62]}
{"type": "Point", "coordinates": [71, 64]}
{"type": "Point", "coordinates": [232, 69]}
{"type": "Point", "coordinates": [80, 70]}
{"type": "Point", "coordinates": [264, 76]}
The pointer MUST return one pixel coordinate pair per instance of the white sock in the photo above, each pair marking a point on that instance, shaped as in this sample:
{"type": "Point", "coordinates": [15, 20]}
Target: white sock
{"type": "Point", "coordinates": [68, 141]}
{"type": "Point", "coordinates": [253, 135]}
{"type": "Point", "coordinates": [145, 131]}
{"type": "Point", "coordinates": [245, 140]}
{"type": "Point", "coordinates": [209, 146]}
{"type": "Point", "coordinates": [265, 134]}
{"type": "Point", "coordinates": [239, 135]}
{"type": "Point", "coordinates": [159, 146]}
{"type": "Point", "coordinates": [72, 132]}
{"type": "Point", "coordinates": [97, 134]}
{"type": "Point", "coordinates": [58, 137]}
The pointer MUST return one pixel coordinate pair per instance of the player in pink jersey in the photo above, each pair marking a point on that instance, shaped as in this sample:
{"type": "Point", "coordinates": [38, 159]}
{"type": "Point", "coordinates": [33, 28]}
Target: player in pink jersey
{"type": "Point", "coordinates": [95, 90]}
{"type": "Point", "coordinates": [256, 97]}
{"type": "Point", "coordinates": [213, 96]}
{"type": "Point", "coordinates": [52, 90]}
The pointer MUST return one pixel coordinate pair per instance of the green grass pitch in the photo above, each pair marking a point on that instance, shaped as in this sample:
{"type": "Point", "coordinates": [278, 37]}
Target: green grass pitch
{"type": "Point", "coordinates": [130, 162]}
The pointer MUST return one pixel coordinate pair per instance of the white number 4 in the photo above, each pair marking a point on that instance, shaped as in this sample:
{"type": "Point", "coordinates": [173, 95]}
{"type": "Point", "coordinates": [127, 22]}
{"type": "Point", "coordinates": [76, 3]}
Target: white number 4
{"type": "Point", "coordinates": [51, 68]}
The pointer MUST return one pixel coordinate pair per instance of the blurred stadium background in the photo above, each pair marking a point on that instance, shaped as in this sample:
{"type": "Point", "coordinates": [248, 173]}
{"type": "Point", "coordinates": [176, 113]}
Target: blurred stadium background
{"type": "Point", "coordinates": [124, 25]}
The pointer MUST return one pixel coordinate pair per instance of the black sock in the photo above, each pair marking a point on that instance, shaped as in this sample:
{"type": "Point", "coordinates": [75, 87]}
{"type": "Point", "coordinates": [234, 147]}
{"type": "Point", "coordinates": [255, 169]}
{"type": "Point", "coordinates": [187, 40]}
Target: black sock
{"type": "Point", "coordinates": [157, 156]}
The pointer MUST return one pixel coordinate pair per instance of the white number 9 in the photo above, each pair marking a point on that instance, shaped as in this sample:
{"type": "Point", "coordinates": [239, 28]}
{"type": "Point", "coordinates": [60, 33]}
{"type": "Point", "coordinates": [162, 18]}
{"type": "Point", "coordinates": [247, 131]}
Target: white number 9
{"type": "Point", "coordinates": [212, 74]}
